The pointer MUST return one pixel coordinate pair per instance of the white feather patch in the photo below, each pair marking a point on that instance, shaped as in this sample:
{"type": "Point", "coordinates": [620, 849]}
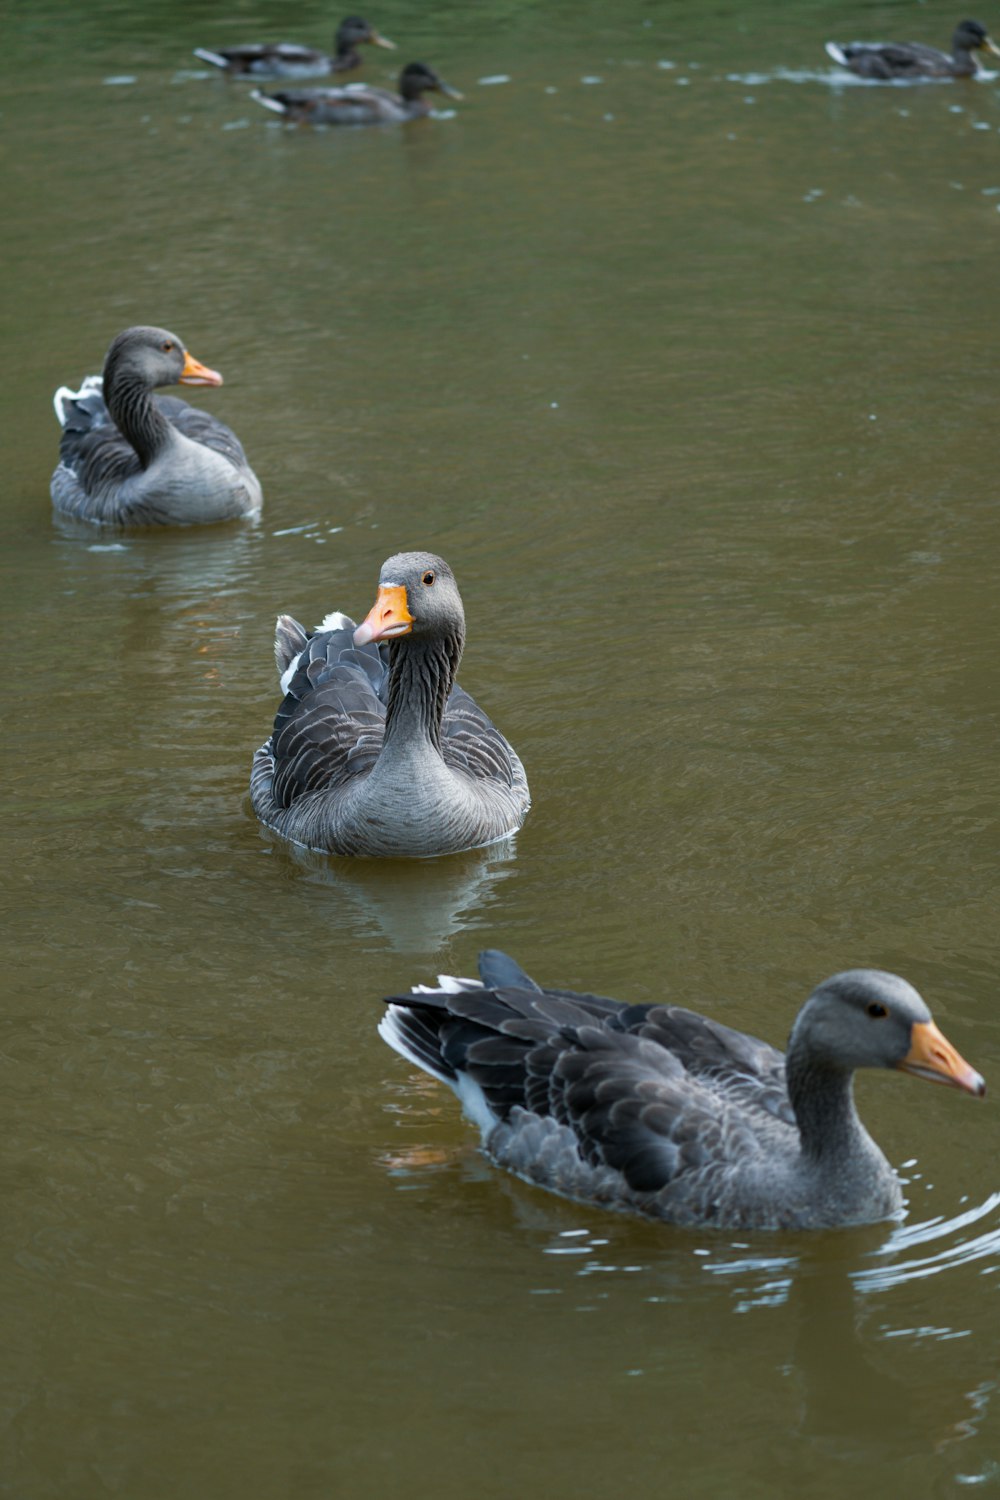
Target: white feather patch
{"type": "Point", "coordinates": [289, 673]}
{"type": "Point", "coordinates": [64, 394]}
{"type": "Point", "coordinates": [474, 1104]}
{"type": "Point", "coordinates": [447, 985]}
{"type": "Point", "coordinates": [267, 101]}
{"type": "Point", "coordinates": [215, 58]}
{"type": "Point", "coordinates": [392, 1033]}
{"type": "Point", "coordinates": [470, 1095]}
{"type": "Point", "coordinates": [335, 621]}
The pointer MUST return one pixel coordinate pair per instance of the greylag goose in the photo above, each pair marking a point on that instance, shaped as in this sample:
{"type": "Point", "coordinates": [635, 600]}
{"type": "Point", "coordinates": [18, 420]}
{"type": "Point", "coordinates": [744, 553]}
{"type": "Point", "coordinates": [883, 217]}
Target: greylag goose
{"type": "Point", "coordinates": [128, 458]}
{"type": "Point", "coordinates": [375, 749]}
{"type": "Point", "coordinates": [902, 60]}
{"type": "Point", "coordinates": [289, 60]}
{"type": "Point", "coordinates": [357, 104]}
{"type": "Point", "coordinates": [662, 1111]}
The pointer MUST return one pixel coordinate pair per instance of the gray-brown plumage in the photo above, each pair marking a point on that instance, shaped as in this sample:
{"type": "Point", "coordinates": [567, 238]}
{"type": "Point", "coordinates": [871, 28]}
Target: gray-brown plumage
{"type": "Point", "coordinates": [290, 60]}
{"type": "Point", "coordinates": [660, 1110]}
{"type": "Point", "coordinates": [129, 458]}
{"type": "Point", "coordinates": [375, 749]}
{"type": "Point", "coordinates": [359, 103]}
{"type": "Point", "coordinates": [899, 61]}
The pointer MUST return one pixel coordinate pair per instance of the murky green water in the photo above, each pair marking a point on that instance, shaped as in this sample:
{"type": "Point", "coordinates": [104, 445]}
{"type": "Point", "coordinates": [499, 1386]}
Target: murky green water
{"type": "Point", "coordinates": [691, 377]}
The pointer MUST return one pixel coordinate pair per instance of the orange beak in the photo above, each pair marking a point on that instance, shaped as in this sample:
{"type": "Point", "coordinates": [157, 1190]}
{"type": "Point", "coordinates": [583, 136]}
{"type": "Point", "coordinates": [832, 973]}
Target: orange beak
{"type": "Point", "coordinates": [932, 1056]}
{"type": "Point", "coordinates": [195, 373]}
{"type": "Point", "coordinates": [388, 616]}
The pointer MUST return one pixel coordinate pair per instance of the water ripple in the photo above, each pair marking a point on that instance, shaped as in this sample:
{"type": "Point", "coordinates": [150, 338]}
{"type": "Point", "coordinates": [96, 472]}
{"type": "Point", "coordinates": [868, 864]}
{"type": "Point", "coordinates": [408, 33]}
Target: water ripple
{"type": "Point", "coordinates": [957, 1250]}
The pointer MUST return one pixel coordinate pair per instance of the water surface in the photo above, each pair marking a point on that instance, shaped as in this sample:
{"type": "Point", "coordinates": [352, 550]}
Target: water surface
{"type": "Point", "coordinates": [679, 349]}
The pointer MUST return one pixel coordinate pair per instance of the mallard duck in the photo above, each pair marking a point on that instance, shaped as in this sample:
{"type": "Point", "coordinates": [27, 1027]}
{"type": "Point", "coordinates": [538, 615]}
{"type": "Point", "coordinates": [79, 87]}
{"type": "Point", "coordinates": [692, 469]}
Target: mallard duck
{"type": "Point", "coordinates": [888, 60]}
{"type": "Point", "coordinates": [357, 104]}
{"type": "Point", "coordinates": [667, 1113]}
{"type": "Point", "coordinates": [289, 60]}
{"type": "Point", "coordinates": [129, 458]}
{"type": "Point", "coordinates": [375, 749]}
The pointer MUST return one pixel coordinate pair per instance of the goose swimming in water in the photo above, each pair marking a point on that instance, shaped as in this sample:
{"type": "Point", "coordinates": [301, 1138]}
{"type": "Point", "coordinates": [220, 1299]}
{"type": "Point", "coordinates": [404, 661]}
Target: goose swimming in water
{"type": "Point", "coordinates": [376, 750]}
{"type": "Point", "coordinates": [129, 458]}
{"type": "Point", "coordinates": [289, 60]}
{"type": "Point", "coordinates": [358, 104]}
{"type": "Point", "coordinates": [662, 1111]}
{"type": "Point", "coordinates": [901, 60]}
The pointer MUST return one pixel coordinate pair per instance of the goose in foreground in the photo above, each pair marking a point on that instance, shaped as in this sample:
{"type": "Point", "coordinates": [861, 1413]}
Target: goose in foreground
{"type": "Point", "coordinates": [129, 458]}
{"type": "Point", "coordinates": [667, 1113]}
{"type": "Point", "coordinates": [289, 60]}
{"type": "Point", "coordinates": [357, 104]}
{"type": "Point", "coordinates": [375, 749]}
{"type": "Point", "coordinates": [892, 60]}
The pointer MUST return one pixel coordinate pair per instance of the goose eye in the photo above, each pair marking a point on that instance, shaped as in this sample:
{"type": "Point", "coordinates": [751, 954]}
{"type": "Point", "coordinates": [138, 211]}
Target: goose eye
{"type": "Point", "coordinates": [166, 347]}
{"type": "Point", "coordinates": [428, 578]}
{"type": "Point", "coordinates": [876, 1011]}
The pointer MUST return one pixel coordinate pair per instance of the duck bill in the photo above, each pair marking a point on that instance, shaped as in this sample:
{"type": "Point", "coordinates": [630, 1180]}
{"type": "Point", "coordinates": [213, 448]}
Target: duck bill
{"type": "Point", "coordinates": [932, 1056]}
{"type": "Point", "coordinates": [195, 373]}
{"type": "Point", "coordinates": [378, 40]}
{"type": "Point", "coordinates": [446, 89]}
{"type": "Point", "coordinates": [989, 45]}
{"type": "Point", "coordinates": [388, 617]}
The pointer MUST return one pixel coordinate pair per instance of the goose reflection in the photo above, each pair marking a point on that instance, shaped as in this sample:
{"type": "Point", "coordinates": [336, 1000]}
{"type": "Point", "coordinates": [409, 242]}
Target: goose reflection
{"type": "Point", "coordinates": [416, 906]}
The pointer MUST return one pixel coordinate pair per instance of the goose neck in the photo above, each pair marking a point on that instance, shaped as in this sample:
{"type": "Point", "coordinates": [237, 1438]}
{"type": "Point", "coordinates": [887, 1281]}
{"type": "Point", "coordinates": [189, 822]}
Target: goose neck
{"type": "Point", "coordinates": [822, 1097]}
{"type": "Point", "coordinates": [135, 414]}
{"type": "Point", "coordinates": [421, 675]}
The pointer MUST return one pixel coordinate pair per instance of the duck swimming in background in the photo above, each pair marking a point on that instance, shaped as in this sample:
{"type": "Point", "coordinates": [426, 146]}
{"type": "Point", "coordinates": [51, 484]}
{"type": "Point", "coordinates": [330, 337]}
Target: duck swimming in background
{"type": "Point", "coordinates": [662, 1111]}
{"type": "Point", "coordinates": [901, 60]}
{"type": "Point", "coordinates": [129, 458]}
{"type": "Point", "coordinates": [289, 60]}
{"type": "Point", "coordinates": [376, 750]}
{"type": "Point", "coordinates": [357, 104]}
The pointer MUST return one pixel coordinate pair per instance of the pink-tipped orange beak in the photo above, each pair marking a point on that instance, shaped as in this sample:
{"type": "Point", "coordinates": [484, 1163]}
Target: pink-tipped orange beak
{"type": "Point", "coordinates": [195, 373]}
{"type": "Point", "coordinates": [932, 1056]}
{"type": "Point", "coordinates": [389, 616]}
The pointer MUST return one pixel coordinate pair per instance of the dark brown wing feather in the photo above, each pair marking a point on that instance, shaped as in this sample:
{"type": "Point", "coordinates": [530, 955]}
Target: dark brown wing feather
{"type": "Point", "coordinates": [658, 1093]}
{"type": "Point", "coordinates": [471, 743]}
{"type": "Point", "coordinates": [331, 723]}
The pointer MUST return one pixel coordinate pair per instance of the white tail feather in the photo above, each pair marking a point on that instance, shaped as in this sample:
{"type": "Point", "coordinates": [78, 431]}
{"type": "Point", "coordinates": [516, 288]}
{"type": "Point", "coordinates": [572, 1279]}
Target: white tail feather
{"type": "Point", "coordinates": [469, 1093]}
{"type": "Point", "coordinates": [64, 394]}
{"type": "Point", "coordinates": [215, 58]}
{"type": "Point", "coordinates": [334, 621]}
{"type": "Point", "coordinates": [268, 102]}
{"type": "Point", "coordinates": [391, 1032]}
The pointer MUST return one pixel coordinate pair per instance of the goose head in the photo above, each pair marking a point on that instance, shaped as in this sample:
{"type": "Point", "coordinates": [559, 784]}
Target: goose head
{"type": "Point", "coordinates": [417, 78]}
{"type": "Point", "coordinates": [354, 30]}
{"type": "Point", "coordinates": [971, 36]}
{"type": "Point", "coordinates": [153, 357]}
{"type": "Point", "coordinates": [866, 1018]}
{"type": "Point", "coordinates": [417, 596]}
